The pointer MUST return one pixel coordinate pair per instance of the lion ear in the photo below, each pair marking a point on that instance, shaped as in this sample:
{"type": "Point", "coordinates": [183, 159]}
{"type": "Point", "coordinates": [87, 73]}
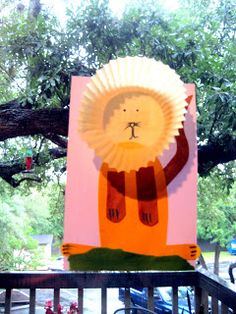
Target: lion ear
{"type": "Point", "coordinates": [188, 100]}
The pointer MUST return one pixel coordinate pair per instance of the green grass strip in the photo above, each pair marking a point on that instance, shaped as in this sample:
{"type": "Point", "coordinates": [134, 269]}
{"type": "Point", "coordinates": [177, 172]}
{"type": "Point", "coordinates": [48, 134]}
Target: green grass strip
{"type": "Point", "coordinates": [109, 259]}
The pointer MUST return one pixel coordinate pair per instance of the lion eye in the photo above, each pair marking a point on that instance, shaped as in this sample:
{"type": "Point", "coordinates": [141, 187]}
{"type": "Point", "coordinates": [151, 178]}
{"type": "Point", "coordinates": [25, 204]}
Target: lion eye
{"type": "Point", "coordinates": [124, 110]}
{"type": "Point", "coordinates": [137, 110]}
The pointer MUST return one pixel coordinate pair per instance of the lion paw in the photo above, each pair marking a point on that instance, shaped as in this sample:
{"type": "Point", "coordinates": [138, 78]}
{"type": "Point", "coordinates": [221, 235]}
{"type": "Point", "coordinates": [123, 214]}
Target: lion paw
{"type": "Point", "coordinates": [115, 215]}
{"type": "Point", "coordinates": [194, 251]}
{"type": "Point", "coordinates": [68, 249]}
{"type": "Point", "coordinates": [190, 251]}
{"type": "Point", "coordinates": [148, 217]}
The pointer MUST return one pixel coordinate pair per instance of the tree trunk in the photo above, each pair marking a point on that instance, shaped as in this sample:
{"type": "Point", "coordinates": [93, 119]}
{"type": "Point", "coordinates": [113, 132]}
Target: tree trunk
{"type": "Point", "coordinates": [217, 258]}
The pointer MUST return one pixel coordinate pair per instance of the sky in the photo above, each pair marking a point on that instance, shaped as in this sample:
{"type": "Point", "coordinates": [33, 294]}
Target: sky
{"type": "Point", "coordinates": [58, 6]}
{"type": "Point", "coordinates": [118, 6]}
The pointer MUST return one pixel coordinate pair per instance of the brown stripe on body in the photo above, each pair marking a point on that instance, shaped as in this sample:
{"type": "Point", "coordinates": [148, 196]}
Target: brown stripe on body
{"type": "Point", "coordinates": [115, 196]}
{"type": "Point", "coordinates": [147, 196]}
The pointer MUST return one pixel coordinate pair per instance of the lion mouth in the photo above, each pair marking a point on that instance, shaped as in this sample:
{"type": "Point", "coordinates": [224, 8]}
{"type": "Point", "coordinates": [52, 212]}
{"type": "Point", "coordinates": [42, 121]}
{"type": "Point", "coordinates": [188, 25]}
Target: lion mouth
{"type": "Point", "coordinates": [132, 126]}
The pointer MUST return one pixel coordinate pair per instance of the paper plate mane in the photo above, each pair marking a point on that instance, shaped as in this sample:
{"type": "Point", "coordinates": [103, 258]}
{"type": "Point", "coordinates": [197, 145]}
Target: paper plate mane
{"type": "Point", "coordinates": [131, 111]}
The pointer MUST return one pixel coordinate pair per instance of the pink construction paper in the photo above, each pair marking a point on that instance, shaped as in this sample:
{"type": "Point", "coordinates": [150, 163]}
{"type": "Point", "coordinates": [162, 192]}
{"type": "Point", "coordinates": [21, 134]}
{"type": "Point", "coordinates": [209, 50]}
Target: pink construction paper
{"type": "Point", "coordinates": [81, 224]}
{"type": "Point", "coordinates": [182, 191]}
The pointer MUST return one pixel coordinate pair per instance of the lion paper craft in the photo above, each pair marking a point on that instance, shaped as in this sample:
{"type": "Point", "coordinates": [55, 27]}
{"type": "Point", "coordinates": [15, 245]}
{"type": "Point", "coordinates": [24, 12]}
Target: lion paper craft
{"type": "Point", "coordinates": [132, 164]}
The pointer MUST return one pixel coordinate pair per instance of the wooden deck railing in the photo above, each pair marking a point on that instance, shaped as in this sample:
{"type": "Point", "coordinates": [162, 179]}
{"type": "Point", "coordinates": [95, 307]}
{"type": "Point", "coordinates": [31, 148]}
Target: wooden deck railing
{"type": "Point", "coordinates": [207, 287]}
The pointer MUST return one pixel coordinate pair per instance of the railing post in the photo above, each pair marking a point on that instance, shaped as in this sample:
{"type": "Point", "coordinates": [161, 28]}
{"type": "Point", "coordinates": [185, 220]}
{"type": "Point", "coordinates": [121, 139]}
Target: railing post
{"type": "Point", "coordinates": [224, 309]}
{"type": "Point", "coordinates": [205, 300]}
{"type": "Point", "coordinates": [8, 301]}
{"type": "Point", "coordinates": [198, 299]}
{"type": "Point", "coordinates": [80, 300]}
{"type": "Point", "coordinates": [150, 299]}
{"type": "Point", "coordinates": [104, 301]}
{"type": "Point", "coordinates": [56, 298]}
{"type": "Point", "coordinates": [175, 299]}
{"type": "Point", "coordinates": [127, 297]}
{"type": "Point", "coordinates": [214, 305]}
{"type": "Point", "coordinates": [32, 301]}
{"type": "Point", "coordinates": [201, 301]}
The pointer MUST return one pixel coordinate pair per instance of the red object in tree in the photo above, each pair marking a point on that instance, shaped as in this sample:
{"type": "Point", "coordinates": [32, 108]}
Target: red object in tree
{"type": "Point", "coordinates": [28, 159]}
{"type": "Point", "coordinates": [28, 163]}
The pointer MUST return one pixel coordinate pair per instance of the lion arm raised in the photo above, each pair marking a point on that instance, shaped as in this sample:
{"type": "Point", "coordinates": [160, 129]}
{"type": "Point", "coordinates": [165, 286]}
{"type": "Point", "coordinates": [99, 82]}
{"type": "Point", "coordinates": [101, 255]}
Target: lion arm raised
{"type": "Point", "coordinates": [177, 163]}
{"type": "Point", "coordinates": [179, 160]}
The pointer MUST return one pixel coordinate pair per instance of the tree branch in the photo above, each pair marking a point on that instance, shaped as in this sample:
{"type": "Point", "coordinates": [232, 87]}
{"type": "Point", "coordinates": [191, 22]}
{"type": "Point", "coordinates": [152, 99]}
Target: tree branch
{"type": "Point", "coordinates": [13, 104]}
{"type": "Point", "coordinates": [57, 139]}
{"type": "Point", "coordinates": [53, 124]}
{"type": "Point", "coordinates": [212, 154]}
{"type": "Point", "coordinates": [23, 122]}
{"type": "Point", "coordinates": [16, 183]}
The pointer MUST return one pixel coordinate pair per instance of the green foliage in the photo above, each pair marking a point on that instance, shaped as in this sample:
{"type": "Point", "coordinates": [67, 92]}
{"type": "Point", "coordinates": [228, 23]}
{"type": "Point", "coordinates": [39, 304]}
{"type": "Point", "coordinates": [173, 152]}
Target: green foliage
{"type": "Point", "coordinates": [216, 210]}
{"type": "Point", "coordinates": [26, 213]}
{"type": "Point", "coordinates": [33, 60]}
{"type": "Point", "coordinates": [95, 32]}
{"type": "Point", "coordinates": [17, 246]}
{"type": "Point", "coordinates": [56, 209]}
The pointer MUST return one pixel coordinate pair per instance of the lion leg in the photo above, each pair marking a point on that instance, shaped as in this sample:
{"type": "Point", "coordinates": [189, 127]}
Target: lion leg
{"type": "Point", "coordinates": [115, 196]}
{"type": "Point", "coordinates": [186, 251]}
{"type": "Point", "coordinates": [147, 196]}
{"type": "Point", "coordinates": [68, 249]}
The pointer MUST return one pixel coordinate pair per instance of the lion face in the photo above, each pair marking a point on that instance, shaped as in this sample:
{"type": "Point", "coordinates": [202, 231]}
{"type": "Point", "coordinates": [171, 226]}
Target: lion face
{"type": "Point", "coordinates": [134, 120]}
{"type": "Point", "coordinates": [131, 111]}
{"type": "Point", "coordinates": [131, 131]}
